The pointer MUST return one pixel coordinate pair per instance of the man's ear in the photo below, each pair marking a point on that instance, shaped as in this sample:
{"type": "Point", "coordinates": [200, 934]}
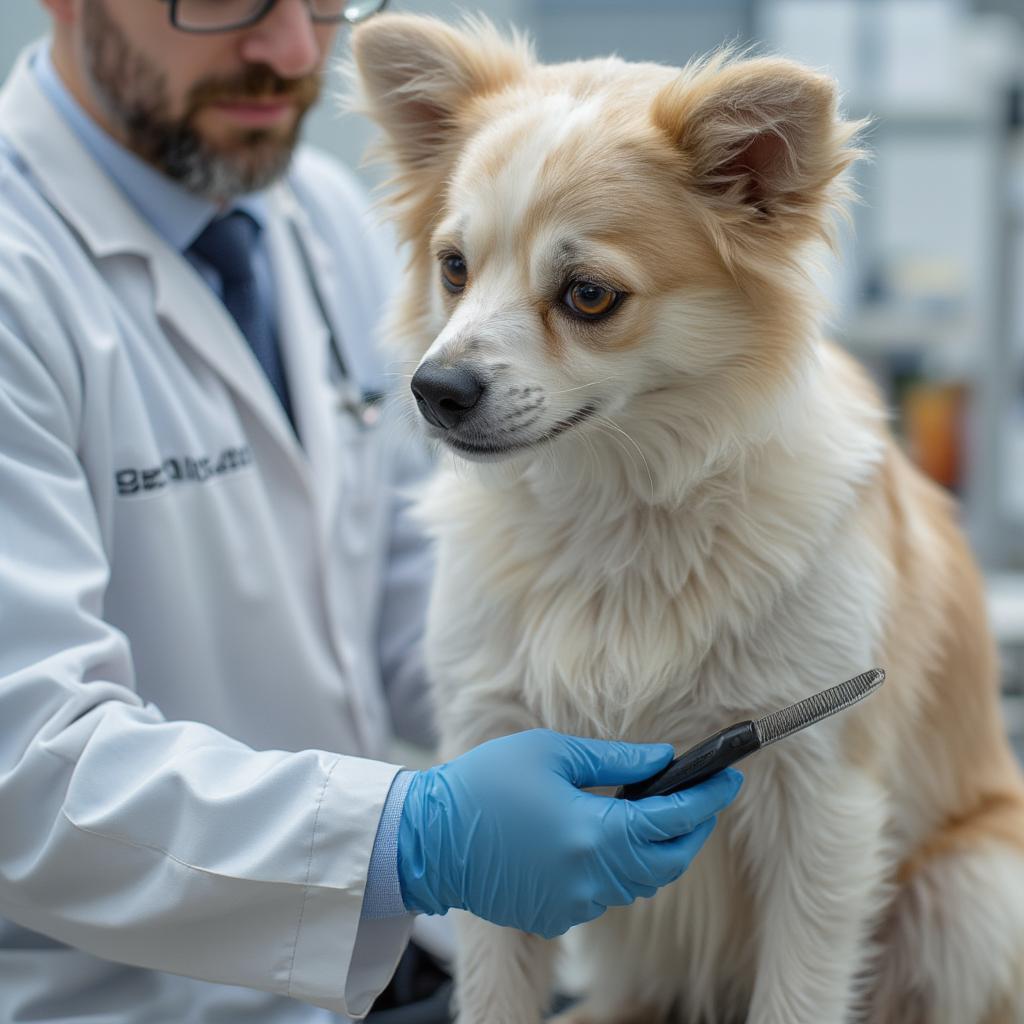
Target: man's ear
{"type": "Point", "coordinates": [762, 143]}
{"type": "Point", "coordinates": [417, 75]}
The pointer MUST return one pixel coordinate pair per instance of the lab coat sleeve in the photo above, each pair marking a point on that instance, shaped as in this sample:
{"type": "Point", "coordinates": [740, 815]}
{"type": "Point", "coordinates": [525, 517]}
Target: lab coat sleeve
{"type": "Point", "coordinates": [150, 842]}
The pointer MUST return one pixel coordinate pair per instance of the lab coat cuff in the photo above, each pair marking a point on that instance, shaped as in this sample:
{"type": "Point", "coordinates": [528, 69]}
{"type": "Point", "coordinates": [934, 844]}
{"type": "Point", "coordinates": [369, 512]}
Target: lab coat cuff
{"type": "Point", "coordinates": [333, 965]}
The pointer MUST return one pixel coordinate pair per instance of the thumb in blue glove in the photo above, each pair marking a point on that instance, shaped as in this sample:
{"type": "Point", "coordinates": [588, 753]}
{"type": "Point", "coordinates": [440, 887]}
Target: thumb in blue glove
{"type": "Point", "coordinates": [506, 832]}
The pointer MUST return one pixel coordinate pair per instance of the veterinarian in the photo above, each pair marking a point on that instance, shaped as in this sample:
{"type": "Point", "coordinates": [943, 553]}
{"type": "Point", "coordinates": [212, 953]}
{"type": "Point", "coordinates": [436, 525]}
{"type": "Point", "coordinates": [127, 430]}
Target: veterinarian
{"type": "Point", "coordinates": [211, 595]}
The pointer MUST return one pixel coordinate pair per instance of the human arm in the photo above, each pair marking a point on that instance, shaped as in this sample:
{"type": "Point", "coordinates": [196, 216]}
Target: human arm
{"type": "Point", "coordinates": [164, 844]}
{"type": "Point", "coordinates": [508, 832]}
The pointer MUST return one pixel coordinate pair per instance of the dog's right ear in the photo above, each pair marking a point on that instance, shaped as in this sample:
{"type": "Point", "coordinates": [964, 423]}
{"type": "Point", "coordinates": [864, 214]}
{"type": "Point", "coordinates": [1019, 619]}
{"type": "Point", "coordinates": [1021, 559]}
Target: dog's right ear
{"type": "Point", "coordinates": [418, 76]}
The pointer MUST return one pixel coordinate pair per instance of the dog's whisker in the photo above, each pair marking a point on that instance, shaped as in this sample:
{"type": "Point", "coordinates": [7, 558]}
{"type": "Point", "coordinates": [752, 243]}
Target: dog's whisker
{"type": "Point", "coordinates": [579, 387]}
{"type": "Point", "coordinates": [614, 426]}
{"type": "Point", "coordinates": [642, 539]}
{"type": "Point", "coordinates": [606, 432]}
{"type": "Point", "coordinates": [592, 456]}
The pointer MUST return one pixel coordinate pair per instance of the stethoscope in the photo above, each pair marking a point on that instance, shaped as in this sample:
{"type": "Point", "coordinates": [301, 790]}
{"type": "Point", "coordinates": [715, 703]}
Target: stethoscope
{"type": "Point", "coordinates": [364, 407]}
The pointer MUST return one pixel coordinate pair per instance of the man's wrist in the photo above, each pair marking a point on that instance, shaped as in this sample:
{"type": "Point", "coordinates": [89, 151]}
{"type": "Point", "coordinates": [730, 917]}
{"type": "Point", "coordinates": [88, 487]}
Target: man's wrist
{"type": "Point", "coordinates": [383, 896]}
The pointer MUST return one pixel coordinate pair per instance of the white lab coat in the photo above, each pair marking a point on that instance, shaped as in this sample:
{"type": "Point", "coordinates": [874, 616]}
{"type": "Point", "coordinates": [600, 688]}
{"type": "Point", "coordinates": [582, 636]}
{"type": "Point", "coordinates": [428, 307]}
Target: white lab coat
{"type": "Point", "coordinates": [195, 610]}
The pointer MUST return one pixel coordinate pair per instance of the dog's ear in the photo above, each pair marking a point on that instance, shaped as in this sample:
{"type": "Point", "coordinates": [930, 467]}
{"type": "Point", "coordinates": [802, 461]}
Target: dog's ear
{"type": "Point", "coordinates": [417, 75]}
{"type": "Point", "coordinates": [762, 143]}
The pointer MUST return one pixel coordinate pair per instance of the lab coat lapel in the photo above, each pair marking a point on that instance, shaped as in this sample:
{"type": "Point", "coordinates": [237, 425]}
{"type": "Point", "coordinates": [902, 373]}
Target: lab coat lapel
{"type": "Point", "coordinates": [306, 344]}
{"type": "Point", "coordinates": [198, 317]}
{"type": "Point", "coordinates": [108, 224]}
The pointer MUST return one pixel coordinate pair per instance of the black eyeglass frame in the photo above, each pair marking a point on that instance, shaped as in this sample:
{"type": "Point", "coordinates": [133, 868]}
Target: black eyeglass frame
{"type": "Point", "coordinates": [260, 13]}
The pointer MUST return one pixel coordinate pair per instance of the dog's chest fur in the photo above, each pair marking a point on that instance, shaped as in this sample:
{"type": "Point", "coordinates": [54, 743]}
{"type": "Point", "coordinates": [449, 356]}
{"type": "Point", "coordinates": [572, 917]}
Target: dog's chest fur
{"type": "Point", "coordinates": [598, 616]}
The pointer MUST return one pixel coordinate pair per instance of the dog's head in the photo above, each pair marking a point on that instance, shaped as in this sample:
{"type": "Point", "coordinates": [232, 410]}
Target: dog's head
{"type": "Point", "coordinates": [584, 236]}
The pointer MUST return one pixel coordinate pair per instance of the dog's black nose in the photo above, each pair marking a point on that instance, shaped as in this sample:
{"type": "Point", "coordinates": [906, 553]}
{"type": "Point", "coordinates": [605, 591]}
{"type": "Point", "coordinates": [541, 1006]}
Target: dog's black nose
{"type": "Point", "coordinates": [446, 393]}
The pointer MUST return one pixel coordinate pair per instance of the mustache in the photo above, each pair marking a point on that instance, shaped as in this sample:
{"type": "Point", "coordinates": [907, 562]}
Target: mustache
{"type": "Point", "coordinates": [256, 82]}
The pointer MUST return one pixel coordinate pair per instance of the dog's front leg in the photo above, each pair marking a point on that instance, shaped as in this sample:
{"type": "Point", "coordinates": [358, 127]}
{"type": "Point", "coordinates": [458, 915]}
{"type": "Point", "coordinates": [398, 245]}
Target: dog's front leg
{"type": "Point", "coordinates": [812, 829]}
{"type": "Point", "coordinates": [503, 975]}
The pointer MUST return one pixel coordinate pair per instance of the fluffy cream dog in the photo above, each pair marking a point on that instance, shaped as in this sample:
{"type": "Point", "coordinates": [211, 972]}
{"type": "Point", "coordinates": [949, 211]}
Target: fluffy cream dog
{"type": "Point", "coordinates": [669, 505]}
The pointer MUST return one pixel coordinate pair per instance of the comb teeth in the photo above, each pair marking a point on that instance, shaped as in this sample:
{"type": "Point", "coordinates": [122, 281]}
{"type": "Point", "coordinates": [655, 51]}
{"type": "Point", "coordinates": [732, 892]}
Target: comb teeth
{"type": "Point", "coordinates": [822, 705]}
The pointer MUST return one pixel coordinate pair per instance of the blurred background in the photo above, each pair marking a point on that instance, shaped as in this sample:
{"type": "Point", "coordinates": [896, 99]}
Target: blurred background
{"type": "Point", "coordinates": [928, 289]}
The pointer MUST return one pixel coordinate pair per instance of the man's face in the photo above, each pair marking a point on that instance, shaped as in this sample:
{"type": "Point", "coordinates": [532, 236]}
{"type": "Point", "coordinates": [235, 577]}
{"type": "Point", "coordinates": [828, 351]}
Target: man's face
{"type": "Point", "coordinates": [220, 113]}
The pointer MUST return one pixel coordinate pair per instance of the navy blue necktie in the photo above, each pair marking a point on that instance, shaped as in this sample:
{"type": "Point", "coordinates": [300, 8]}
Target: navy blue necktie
{"type": "Point", "coordinates": [228, 244]}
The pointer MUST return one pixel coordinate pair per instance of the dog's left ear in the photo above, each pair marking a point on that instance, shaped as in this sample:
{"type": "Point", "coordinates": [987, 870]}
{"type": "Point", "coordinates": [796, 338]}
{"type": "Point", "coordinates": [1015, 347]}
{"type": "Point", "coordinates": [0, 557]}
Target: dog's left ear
{"type": "Point", "coordinates": [762, 143]}
{"type": "Point", "coordinates": [417, 76]}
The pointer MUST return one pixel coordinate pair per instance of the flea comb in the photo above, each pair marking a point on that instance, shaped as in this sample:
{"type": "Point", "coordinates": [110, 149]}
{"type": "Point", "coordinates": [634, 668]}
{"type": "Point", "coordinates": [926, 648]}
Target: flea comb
{"type": "Point", "coordinates": [727, 747]}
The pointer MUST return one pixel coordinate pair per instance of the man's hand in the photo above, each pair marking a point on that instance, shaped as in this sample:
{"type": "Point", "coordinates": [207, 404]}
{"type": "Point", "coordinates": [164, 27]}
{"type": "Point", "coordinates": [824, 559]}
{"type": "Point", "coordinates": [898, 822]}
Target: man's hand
{"type": "Point", "coordinates": [506, 832]}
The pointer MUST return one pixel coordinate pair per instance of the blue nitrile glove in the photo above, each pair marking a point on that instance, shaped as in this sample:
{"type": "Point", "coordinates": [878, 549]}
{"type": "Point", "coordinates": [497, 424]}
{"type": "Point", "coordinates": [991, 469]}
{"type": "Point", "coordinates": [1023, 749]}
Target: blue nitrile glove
{"type": "Point", "coordinates": [504, 831]}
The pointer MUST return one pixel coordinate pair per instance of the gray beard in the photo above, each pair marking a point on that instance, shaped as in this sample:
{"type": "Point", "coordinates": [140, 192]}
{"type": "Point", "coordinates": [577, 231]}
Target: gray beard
{"type": "Point", "coordinates": [134, 96]}
{"type": "Point", "coordinates": [218, 176]}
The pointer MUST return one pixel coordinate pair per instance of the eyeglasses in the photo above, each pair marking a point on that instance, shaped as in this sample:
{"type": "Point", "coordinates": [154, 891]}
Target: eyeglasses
{"type": "Point", "coordinates": [227, 15]}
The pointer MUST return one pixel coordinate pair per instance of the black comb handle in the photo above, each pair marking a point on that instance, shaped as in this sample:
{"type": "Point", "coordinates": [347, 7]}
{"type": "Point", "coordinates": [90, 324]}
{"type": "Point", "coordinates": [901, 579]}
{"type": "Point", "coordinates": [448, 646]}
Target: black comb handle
{"type": "Point", "coordinates": [698, 763]}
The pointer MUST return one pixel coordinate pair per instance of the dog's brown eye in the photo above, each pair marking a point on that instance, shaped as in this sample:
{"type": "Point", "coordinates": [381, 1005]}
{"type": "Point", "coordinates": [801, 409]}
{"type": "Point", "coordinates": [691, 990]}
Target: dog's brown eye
{"type": "Point", "coordinates": [590, 300]}
{"type": "Point", "coordinates": [453, 272]}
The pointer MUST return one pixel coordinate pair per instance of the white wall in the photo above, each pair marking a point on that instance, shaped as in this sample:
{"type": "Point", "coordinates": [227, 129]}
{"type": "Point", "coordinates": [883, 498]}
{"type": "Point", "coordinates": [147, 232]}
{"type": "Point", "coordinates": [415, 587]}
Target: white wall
{"type": "Point", "coordinates": [20, 22]}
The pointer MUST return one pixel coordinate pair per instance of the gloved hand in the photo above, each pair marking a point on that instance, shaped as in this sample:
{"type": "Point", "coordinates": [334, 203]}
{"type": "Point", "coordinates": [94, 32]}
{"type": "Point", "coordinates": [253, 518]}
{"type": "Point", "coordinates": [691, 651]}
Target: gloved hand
{"type": "Point", "coordinates": [504, 831]}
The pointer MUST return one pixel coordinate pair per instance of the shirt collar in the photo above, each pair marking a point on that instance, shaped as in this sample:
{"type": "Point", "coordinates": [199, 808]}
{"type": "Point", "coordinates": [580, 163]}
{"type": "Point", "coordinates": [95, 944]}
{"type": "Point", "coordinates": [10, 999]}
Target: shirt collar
{"type": "Point", "coordinates": [176, 214]}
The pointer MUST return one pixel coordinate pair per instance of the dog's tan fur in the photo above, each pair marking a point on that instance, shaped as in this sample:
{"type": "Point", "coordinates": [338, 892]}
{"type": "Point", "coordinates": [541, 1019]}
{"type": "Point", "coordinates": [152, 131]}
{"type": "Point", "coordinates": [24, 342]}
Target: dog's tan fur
{"type": "Point", "coordinates": [700, 192]}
